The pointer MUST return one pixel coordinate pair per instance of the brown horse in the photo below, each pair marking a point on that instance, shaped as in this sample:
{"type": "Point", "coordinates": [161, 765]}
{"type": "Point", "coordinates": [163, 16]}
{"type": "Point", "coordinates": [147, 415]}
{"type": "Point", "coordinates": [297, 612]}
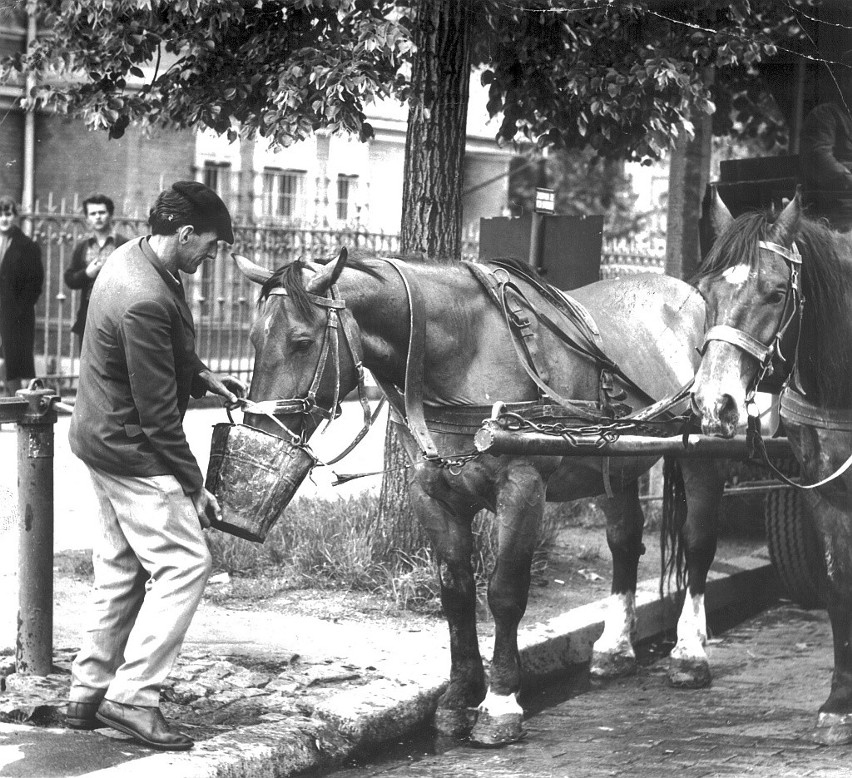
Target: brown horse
{"type": "Point", "coordinates": [781, 289]}
{"type": "Point", "coordinates": [469, 361]}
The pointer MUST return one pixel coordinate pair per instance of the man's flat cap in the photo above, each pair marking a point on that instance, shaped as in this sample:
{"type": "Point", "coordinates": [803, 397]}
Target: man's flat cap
{"type": "Point", "coordinates": [209, 212]}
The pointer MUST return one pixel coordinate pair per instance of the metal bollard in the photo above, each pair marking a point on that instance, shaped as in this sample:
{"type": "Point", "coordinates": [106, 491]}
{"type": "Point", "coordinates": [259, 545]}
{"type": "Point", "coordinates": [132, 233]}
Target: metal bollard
{"type": "Point", "coordinates": [34, 649]}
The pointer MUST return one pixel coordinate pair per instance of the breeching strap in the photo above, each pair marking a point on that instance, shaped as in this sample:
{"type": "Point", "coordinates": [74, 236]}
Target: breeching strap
{"type": "Point", "coordinates": [412, 397]}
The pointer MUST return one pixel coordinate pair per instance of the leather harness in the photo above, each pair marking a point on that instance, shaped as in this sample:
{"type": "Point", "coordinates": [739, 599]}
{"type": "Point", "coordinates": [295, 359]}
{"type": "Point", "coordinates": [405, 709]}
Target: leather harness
{"type": "Point", "coordinates": [408, 402]}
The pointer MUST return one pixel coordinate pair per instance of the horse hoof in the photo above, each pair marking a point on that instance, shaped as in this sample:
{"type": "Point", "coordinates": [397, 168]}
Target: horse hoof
{"type": "Point", "coordinates": [454, 722]}
{"type": "Point", "coordinates": [495, 731]}
{"type": "Point", "coordinates": [833, 729]}
{"type": "Point", "coordinates": [689, 673]}
{"type": "Point", "coordinates": [607, 665]}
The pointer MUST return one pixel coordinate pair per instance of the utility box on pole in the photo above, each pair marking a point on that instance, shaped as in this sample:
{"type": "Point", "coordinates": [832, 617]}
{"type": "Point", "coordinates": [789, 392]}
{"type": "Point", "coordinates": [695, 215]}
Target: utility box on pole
{"type": "Point", "coordinates": [566, 250]}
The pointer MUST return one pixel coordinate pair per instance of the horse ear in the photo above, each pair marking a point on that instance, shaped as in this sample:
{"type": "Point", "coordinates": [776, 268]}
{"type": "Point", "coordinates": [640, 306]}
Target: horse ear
{"type": "Point", "coordinates": [787, 223]}
{"type": "Point", "coordinates": [328, 276]}
{"type": "Point", "coordinates": [720, 217]}
{"type": "Point", "coordinates": [250, 270]}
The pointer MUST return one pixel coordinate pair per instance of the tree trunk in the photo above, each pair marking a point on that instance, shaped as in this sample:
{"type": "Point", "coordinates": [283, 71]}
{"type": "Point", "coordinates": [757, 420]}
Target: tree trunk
{"type": "Point", "coordinates": [431, 199]}
{"type": "Point", "coordinates": [689, 172]}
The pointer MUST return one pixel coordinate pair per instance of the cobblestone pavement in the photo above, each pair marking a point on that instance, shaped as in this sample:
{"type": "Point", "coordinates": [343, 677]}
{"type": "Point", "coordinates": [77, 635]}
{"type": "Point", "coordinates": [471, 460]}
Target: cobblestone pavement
{"type": "Point", "coordinates": [771, 674]}
{"type": "Point", "coordinates": [207, 694]}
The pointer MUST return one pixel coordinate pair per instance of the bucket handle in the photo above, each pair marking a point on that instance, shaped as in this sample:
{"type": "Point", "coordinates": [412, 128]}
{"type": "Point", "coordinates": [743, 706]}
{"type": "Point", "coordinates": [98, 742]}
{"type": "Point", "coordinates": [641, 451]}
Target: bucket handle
{"type": "Point", "coordinates": [259, 408]}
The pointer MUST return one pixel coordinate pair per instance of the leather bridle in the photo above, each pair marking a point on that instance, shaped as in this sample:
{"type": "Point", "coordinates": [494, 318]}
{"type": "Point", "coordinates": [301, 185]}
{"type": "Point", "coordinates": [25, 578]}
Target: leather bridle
{"type": "Point", "coordinates": [764, 353]}
{"type": "Point", "coordinates": [794, 406]}
{"type": "Point", "coordinates": [338, 317]}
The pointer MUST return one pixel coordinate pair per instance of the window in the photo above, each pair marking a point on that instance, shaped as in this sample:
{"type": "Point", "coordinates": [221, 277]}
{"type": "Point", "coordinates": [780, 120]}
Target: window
{"type": "Point", "coordinates": [346, 187]}
{"type": "Point", "coordinates": [217, 175]}
{"type": "Point", "coordinates": [282, 194]}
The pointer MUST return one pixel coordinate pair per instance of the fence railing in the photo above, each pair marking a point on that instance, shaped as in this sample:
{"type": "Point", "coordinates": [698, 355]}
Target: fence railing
{"type": "Point", "coordinates": [221, 299]}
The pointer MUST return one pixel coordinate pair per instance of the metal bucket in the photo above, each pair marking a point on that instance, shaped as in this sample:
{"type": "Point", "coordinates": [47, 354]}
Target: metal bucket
{"type": "Point", "coordinates": [254, 475]}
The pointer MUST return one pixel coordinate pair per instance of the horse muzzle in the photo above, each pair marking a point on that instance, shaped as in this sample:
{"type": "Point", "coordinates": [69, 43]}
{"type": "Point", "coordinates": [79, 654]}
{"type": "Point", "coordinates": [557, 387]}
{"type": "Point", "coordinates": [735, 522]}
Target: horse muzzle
{"type": "Point", "coordinates": [720, 416]}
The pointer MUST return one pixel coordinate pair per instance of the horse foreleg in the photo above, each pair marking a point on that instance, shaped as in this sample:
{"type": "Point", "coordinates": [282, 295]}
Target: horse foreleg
{"type": "Point", "coordinates": [612, 653]}
{"type": "Point", "coordinates": [520, 505]}
{"type": "Point", "coordinates": [834, 723]}
{"type": "Point", "coordinates": [689, 667]}
{"type": "Point", "coordinates": [449, 529]}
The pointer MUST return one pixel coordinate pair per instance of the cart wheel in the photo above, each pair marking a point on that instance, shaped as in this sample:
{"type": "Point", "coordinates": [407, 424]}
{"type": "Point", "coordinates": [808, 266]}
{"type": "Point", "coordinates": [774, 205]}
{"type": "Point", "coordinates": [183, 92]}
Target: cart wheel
{"type": "Point", "coordinates": [794, 548]}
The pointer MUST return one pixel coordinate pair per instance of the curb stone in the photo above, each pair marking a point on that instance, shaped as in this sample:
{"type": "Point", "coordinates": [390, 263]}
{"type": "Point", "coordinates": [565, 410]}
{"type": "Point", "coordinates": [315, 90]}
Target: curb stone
{"type": "Point", "coordinates": [365, 717]}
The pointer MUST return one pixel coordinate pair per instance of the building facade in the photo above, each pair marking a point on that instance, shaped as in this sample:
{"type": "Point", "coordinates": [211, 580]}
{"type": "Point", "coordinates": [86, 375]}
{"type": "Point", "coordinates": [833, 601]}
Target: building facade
{"type": "Point", "coordinates": [329, 180]}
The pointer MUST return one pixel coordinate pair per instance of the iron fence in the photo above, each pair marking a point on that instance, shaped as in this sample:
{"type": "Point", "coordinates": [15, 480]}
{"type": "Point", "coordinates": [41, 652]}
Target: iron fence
{"type": "Point", "coordinates": [221, 299]}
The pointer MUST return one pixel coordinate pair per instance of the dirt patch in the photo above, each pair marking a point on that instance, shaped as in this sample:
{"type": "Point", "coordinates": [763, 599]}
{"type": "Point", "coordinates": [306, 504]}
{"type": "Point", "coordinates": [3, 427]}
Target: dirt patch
{"type": "Point", "coordinates": [577, 572]}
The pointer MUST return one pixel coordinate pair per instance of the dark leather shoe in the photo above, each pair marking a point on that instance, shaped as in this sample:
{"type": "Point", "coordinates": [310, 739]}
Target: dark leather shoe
{"type": "Point", "coordinates": [146, 725]}
{"type": "Point", "coordinates": [81, 715]}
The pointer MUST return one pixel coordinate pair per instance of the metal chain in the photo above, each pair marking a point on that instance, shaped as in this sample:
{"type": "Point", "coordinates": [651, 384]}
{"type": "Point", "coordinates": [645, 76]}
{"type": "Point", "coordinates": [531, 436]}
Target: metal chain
{"type": "Point", "coordinates": [606, 432]}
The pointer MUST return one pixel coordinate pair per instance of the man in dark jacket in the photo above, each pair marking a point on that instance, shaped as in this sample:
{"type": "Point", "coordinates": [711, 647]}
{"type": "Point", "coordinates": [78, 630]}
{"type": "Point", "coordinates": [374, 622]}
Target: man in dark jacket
{"type": "Point", "coordinates": [21, 280]}
{"type": "Point", "coordinates": [826, 153]}
{"type": "Point", "coordinates": [89, 255]}
{"type": "Point", "coordinates": [137, 371]}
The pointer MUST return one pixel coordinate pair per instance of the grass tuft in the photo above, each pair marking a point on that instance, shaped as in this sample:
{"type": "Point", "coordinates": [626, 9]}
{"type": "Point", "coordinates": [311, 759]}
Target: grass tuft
{"type": "Point", "coordinates": [340, 544]}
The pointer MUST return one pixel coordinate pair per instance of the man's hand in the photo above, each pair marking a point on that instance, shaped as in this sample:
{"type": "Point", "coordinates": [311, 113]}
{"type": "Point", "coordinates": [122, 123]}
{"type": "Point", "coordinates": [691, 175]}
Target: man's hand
{"type": "Point", "coordinates": [227, 386]}
{"type": "Point", "coordinates": [206, 506]}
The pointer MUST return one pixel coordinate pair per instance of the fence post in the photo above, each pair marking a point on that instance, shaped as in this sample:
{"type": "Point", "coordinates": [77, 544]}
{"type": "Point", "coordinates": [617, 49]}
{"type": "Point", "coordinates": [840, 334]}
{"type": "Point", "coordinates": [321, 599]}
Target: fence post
{"type": "Point", "coordinates": [34, 649]}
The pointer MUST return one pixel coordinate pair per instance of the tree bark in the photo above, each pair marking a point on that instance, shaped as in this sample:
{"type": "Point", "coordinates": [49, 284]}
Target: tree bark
{"type": "Point", "coordinates": [431, 199]}
{"type": "Point", "coordinates": [689, 173]}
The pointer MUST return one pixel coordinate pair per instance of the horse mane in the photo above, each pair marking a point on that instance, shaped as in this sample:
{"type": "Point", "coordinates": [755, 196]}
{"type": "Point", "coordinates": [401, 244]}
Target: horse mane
{"type": "Point", "coordinates": [825, 360]}
{"type": "Point", "coordinates": [291, 278]}
{"type": "Point", "coordinates": [823, 355]}
{"type": "Point", "coordinates": [736, 245]}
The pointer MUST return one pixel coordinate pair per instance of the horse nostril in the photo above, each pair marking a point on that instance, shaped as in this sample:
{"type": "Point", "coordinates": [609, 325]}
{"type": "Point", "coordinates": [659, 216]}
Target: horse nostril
{"type": "Point", "coordinates": [728, 411]}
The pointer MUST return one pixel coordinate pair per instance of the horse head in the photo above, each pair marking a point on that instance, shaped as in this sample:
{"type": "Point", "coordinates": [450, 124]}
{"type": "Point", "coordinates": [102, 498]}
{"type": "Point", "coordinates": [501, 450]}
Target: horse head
{"type": "Point", "coordinates": [749, 281]}
{"type": "Point", "coordinates": [304, 361]}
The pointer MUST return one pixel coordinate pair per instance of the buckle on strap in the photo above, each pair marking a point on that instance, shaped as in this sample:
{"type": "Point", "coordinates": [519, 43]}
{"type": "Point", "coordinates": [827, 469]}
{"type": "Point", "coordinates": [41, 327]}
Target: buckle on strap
{"type": "Point", "coordinates": [739, 339]}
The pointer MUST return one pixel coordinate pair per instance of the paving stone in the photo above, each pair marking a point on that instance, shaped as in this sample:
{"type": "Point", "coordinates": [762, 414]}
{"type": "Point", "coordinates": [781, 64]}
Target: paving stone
{"type": "Point", "coordinates": [245, 679]}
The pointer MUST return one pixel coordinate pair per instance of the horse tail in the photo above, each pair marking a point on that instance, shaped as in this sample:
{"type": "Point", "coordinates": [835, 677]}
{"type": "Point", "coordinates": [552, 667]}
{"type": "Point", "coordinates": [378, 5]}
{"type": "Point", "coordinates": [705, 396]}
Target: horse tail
{"type": "Point", "coordinates": [672, 548]}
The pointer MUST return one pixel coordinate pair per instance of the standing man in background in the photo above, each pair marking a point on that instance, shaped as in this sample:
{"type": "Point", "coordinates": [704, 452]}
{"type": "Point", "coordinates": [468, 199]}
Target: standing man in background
{"type": "Point", "coordinates": [826, 152]}
{"type": "Point", "coordinates": [89, 255]}
{"type": "Point", "coordinates": [21, 281]}
{"type": "Point", "coordinates": [137, 371]}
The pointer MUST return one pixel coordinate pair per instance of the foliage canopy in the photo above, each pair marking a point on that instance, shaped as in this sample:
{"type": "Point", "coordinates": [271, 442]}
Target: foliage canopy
{"type": "Point", "coordinates": [623, 78]}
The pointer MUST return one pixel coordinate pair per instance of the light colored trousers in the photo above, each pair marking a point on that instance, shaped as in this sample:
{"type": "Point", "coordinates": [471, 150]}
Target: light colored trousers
{"type": "Point", "coordinates": [151, 565]}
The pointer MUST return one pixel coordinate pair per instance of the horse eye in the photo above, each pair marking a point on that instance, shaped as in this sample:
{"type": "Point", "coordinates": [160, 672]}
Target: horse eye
{"type": "Point", "coordinates": [776, 296]}
{"type": "Point", "coordinates": [303, 344]}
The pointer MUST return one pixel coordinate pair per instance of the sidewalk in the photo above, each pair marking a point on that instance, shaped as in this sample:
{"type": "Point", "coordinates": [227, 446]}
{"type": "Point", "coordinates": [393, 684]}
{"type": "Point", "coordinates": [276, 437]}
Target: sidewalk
{"type": "Point", "coordinates": [312, 692]}
{"type": "Point", "coordinates": [267, 692]}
